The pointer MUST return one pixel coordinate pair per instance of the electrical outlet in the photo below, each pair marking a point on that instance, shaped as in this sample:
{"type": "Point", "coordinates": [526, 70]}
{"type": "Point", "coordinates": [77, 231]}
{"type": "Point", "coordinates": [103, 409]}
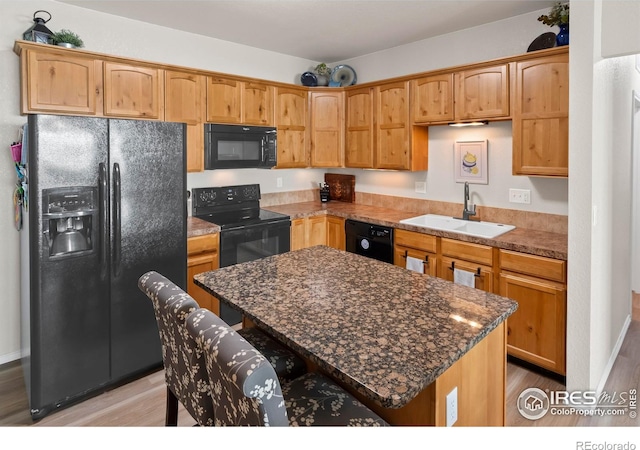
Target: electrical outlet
{"type": "Point", "coordinates": [279, 182]}
{"type": "Point", "coordinates": [519, 196]}
{"type": "Point", "coordinates": [452, 407]}
{"type": "Point", "coordinates": [421, 187]}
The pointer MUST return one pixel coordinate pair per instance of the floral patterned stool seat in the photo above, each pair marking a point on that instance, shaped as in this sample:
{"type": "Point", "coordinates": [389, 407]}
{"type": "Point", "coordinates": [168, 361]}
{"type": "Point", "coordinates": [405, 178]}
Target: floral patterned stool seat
{"type": "Point", "coordinates": [246, 391]}
{"type": "Point", "coordinates": [185, 373]}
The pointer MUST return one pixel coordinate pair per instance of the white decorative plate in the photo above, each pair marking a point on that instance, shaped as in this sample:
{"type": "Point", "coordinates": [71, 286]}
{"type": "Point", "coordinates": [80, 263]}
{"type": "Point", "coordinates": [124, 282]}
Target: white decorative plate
{"type": "Point", "coordinates": [342, 75]}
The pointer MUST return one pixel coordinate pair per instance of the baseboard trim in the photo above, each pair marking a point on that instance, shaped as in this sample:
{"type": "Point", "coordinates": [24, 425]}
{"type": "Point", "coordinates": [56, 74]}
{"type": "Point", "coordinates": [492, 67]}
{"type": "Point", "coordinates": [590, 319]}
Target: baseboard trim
{"type": "Point", "coordinates": [614, 355]}
{"type": "Point", "coordinates": [9, 357]}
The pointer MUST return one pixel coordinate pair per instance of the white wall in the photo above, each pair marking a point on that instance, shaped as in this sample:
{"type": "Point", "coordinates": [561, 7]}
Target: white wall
{"type": "Point", "coordinates": [599, 198]}
{"type": "Point", "coordinates": [547, 195]}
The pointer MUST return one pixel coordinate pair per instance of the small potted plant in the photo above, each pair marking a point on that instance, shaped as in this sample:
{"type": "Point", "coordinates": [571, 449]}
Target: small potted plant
{"type": "Point", "coordinates": [558, 15]}
{"type": "Point", "coordinates": [322, 73]}
{"type": "Point", "coordinates": [67, 38]}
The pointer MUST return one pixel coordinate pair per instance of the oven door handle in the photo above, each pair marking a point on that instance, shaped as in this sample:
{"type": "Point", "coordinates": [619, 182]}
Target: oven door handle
{"type": "Point", "coordinates": [241, 229]}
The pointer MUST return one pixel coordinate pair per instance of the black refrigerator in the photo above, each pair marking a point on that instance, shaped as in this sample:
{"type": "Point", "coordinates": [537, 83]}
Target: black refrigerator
{"type": "Point", "coordinates": [106, 203]}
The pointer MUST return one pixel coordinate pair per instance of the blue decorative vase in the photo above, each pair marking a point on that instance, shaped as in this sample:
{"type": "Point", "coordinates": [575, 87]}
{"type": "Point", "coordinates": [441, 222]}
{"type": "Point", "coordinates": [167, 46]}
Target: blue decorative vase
{"type": "Point", "coordinates": [562, 38]}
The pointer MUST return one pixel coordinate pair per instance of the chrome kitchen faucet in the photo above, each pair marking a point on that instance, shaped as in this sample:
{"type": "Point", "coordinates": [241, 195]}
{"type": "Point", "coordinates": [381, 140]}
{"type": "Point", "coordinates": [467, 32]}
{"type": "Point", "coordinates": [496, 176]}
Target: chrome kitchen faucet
{"type": "Point", "coordinates": [466, 212]}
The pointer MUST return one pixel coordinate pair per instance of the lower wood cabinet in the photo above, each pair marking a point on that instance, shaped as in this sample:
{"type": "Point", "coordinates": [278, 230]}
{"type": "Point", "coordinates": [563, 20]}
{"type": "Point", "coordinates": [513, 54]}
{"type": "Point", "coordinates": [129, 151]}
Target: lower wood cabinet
{"type": "Point", "coordinates": [318, 230]}
{"type": "Point", "coordinates": [536, 332]}
{"type": "Point", "coordinates": [469, 257]}
{"type": "Point", "coordinates": [203, 256]}
{"type": "Point", "coordinates": [415, 245]}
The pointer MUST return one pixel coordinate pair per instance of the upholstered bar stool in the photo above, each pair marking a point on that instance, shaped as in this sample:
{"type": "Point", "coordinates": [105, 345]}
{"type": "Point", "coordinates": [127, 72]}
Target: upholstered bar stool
{"type": "Point", "coordinates": [246, 390]}
{"type": "Point", "coordinates": [185, 373]}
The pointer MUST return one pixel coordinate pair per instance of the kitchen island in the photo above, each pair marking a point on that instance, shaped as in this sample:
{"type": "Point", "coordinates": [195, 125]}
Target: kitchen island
{"type": "Point", "coordinates": [399, 340]}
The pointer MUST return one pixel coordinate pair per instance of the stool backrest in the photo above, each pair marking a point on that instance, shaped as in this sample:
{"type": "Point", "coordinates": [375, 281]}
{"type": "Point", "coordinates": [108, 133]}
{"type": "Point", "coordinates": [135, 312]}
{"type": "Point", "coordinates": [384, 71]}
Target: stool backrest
{"type": "Point", "coordinates": [184, 365]}
{"type": "Point", "coordinates": [244, 385]}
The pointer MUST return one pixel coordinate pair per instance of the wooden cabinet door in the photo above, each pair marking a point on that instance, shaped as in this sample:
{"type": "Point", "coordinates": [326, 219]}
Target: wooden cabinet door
{"type": "Point", "coordinates": [336, 237]}
{"type": "Point", "coordinates": [132, 91]}
{"type": "Point", "coordinates": [432, 98]}
{"type": "Point", "coordinates": [198, 264]}
{"type": "Point", "coordinates": [541, 117]}
{"type": "Point", "coordinates": [359, 129]}
{"type": "Point", "coordinates": [257, 104]}
{"type": "Point", "coordinates": [185, 102]}
{"type": "Point", "coordinates": [202, 256]}
{"type": "Point", "coordinates": [316, 231]}
{"type": "Point", "coordinates": [536, 332]}
{"type": "Point", "coordinates": [482, 93]}
{"type": "Point", "coordinates": [298, 234]}
{"type": "Point", "coordinates": [61, 84]}
{"type": "Point", "coordinates": [327, 129]}
{"type": "Point", "coordinates": [224, 99]}
{"type": "Point", "coordinates": [429, 260]}
{"type": "Point", "coordinates": [291, 120]}
{"type": "Point", "coordinates": [392, 126]}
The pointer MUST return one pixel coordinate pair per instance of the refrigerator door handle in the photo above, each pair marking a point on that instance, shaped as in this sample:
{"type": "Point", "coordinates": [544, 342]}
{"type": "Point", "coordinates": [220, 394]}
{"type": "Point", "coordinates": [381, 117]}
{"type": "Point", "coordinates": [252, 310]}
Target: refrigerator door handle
{"type": "Point", "coordinates": [117, 221]}
{"type": "Point", "coordinates": [103, 192]}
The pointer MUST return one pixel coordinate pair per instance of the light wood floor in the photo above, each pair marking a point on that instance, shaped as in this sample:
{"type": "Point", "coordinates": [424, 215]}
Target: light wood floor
{"type": "Point", "coordinates": [141, 403]}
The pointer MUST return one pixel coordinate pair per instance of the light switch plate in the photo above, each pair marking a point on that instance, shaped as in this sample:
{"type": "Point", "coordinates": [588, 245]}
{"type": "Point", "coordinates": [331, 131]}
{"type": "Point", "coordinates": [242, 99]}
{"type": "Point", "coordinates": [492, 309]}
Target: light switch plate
{"type": "Point", "coordinates": [421, 187]}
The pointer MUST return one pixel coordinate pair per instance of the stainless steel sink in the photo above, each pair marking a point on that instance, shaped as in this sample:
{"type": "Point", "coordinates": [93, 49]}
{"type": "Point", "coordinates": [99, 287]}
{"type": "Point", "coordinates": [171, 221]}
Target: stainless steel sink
{"type": "Point", "coordinates": [471, 228]}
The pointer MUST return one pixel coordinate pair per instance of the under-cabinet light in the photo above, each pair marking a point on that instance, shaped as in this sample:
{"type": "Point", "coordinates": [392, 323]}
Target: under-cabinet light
{"type": "Point", "coordinates": [468, 124]}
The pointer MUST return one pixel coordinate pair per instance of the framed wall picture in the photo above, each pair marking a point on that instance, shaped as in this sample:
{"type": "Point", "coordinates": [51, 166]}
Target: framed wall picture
{"type": "Point", "coordinates": [470, 162]}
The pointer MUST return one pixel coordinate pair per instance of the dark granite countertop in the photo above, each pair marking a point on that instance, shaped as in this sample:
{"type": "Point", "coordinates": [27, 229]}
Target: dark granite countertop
{"type": "Point", "coordinates": [199, 227]}
{"type": "Point", "coordinates": [534, 242]}
{"type": "Point", "coordinates": [387, 336]}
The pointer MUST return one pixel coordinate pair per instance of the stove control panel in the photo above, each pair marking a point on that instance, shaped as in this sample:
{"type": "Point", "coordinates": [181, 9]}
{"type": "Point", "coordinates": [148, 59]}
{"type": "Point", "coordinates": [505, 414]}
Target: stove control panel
{"type": "Point", "coordinates": [225, 195]}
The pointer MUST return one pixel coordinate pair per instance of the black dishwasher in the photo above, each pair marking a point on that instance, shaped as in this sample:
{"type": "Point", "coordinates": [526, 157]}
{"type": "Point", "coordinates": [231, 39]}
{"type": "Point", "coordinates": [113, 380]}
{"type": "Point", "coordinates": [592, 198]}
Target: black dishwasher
{"type": "Point", "coordinates": [374, 241]}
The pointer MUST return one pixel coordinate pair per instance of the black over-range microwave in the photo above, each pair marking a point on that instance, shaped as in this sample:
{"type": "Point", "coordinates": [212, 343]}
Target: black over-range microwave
{"type": "Point", "coordinates": [239, 146]}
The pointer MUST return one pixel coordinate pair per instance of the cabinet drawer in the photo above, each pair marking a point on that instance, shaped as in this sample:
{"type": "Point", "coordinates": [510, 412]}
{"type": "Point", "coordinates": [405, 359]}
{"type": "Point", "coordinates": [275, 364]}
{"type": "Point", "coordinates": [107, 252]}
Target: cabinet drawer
{"type": "Point", "coordinates": [537, 266]}
{"type": "Point", "coordinates": [481, 254]}
{"type": "Point", "coordinates": [203, 244]}
{"type": "Point", "coordinates": [412, 239]}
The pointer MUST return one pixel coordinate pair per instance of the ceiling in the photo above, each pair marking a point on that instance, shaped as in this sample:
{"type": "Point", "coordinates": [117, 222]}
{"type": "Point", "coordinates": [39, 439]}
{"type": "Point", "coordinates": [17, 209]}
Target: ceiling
{"type": "Point", "coordinates": [318, 30]}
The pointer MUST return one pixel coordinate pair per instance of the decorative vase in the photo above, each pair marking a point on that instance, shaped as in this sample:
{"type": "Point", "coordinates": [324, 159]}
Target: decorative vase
{"type": "Point", "coordinates": [562, 37]}
{"type": "Point", "coordinates": [323, 80]}
{"type": "Point", "coordinates": [65, 44]}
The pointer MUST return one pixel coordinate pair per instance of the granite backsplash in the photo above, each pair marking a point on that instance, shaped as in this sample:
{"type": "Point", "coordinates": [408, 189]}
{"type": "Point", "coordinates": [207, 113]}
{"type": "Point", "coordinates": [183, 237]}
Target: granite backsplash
{"type": "Point", "coordinates": [553, 223]}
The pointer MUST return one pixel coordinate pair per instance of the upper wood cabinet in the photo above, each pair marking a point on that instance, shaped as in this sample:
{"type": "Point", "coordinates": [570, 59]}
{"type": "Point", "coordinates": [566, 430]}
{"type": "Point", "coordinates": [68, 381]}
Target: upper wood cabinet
{"type": "Point", "coordinates": [359, 128]}
{"type": "Point", "coordinates": [482, 93]}
{"type": "Point", "coordinates": [432, 98]}
{"type": "Point", "coordinates": [291, 120]}
{"type": "Point", "coordinates": [327, 128]}
{"type": "Point", "coordinates": [224, 96]}
{"type": "Point", "coordinates": [185, 102]}
{"type": "Point", "coordinates": [541, 117]}
{"type": "Point", "coordinates": [56, 83]}
{"type": "Point", "coordinates": [230, 100]}
{"type": "Point", "coordinates": [398, 144]}
{"type": "Point", "coordinates": [133, 91]}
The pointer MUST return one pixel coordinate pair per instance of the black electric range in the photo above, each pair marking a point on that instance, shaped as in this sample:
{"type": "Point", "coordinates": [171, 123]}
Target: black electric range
{"type": "Point", "coordinates": [247, 232]}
